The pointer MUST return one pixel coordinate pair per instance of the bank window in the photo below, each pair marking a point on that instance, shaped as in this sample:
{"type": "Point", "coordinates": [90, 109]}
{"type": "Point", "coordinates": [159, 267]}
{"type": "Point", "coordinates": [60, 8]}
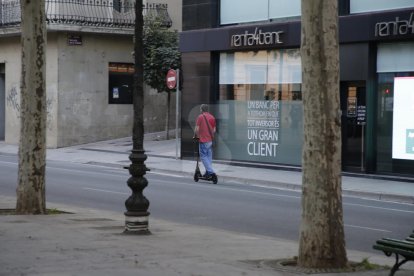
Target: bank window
{"type": "Point", "coordinates": [260, 106]}
{"type": "Point", "coordinates": [120, 83]}
{"type": "Point", "coordinates": [395, 127]}
{"type": "Point", "coordinates": [261, 75]}
{"type": "Point", "coordinates": [359, 6]}
{"type": "Point", "coordinates": [241, 11]}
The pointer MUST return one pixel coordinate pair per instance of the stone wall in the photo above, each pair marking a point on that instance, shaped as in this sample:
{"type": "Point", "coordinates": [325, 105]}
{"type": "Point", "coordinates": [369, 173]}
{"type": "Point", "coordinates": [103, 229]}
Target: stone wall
{"type": "Point", "coordinates": [78, 111]}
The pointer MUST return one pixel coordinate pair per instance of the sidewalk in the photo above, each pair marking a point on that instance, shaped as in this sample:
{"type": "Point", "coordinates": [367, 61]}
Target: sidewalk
{"type": "Point", "coordinates": [89, 242]}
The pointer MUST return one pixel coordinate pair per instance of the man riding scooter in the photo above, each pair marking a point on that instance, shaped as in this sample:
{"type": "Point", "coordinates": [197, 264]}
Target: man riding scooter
{"type": "Point", "coordinates": [204, 131]}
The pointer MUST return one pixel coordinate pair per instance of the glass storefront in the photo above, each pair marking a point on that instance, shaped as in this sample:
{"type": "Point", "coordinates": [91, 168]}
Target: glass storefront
{"type": "Point", "coordinates": [256, 92]}
{"type": "Point", "coordinates": [260, 107]}
{"type": "Point", "coordinates": [395, 126]}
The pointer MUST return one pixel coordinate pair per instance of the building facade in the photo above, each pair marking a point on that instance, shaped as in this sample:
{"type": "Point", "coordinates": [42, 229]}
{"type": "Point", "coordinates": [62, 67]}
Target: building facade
{"type": "Point", "coordinates": [243, 58]}
{"type": "Point", "coordinates": [89, 70]}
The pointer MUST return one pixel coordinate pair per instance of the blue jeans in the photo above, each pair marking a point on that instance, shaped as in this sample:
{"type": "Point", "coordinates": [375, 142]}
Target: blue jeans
{"type": "Point", "coordinates": [206, 156]}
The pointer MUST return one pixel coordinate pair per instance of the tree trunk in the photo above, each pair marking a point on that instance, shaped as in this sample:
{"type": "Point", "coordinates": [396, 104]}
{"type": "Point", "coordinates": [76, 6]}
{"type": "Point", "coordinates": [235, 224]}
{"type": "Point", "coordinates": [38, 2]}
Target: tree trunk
{"type": "Point", "coordinates": [167, 123]}
{"type": "Point", "coordinates": [32, 146]}
{"type": "Point", "coordinates": [322, 241]}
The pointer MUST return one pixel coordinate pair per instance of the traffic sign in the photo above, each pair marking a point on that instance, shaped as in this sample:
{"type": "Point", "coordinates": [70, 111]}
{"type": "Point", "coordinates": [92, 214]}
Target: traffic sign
{"type": "Point", "coordinates": [171, 79]}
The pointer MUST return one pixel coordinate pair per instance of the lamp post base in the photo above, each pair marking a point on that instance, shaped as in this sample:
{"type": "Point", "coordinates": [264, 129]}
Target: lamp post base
{"type": "Point", "coordinates": [136, 223]}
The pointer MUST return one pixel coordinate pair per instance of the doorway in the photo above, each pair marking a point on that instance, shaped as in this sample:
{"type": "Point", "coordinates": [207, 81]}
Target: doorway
{"type": "Point", "coordinates": [353, 107]}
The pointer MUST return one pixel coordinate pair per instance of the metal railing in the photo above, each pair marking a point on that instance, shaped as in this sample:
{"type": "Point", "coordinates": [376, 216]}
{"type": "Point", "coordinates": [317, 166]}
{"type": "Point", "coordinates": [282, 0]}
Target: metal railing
{"type": "Point", "coordinates": [99, 13]}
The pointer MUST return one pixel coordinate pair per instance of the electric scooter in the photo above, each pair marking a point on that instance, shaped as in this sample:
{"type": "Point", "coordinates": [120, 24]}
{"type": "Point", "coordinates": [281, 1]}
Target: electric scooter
{"type": "Point", "coordinates": [197, 173]}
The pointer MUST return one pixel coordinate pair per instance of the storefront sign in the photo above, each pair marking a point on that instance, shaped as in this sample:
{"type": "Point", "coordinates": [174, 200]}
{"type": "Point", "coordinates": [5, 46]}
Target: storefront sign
{"type": "Point", "coordinates": [396, 27]}
{"type": "Point", "coordinates": [116, 67]}
{"type": "Point", "coordinates": [256, 38]}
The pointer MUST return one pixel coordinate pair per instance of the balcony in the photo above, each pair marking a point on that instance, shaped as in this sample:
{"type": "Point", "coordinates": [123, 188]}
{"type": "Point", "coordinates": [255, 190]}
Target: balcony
{"type": "Point", "coordinates": [118, 14]}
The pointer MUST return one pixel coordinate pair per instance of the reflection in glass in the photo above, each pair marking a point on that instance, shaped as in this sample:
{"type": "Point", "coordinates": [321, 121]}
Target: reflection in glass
{"type": "Point", "coordinates": [260, 106]}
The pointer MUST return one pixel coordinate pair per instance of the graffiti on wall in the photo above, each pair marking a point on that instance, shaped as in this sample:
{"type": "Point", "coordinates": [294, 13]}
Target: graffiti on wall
{"type": "Point", "coordinates": [13, 101]}
{"type": "Point", "coordinates": [49, 114]}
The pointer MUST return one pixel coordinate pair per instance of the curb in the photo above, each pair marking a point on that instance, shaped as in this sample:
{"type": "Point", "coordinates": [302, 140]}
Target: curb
{"type": "Point", "coordinates": [380, 196]}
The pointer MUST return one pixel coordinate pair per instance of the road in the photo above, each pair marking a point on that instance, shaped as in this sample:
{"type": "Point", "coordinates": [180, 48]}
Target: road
{"type": "Point", "coordinates": [237, 207]}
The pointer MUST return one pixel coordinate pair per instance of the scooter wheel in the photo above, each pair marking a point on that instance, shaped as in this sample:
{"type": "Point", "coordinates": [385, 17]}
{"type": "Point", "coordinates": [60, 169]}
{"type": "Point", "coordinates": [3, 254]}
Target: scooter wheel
{"type": "Point", "coordinates": [196, 178]}
{"type": "Point", "coordinates": [214, 179]}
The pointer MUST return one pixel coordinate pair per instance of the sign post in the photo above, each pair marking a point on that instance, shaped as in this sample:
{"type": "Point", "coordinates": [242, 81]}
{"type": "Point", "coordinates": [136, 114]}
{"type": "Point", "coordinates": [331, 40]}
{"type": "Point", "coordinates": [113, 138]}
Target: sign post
{"type": "Point", "coordinates": [361, 120]}
{"type": "Point", "coordinates": [173, 81]}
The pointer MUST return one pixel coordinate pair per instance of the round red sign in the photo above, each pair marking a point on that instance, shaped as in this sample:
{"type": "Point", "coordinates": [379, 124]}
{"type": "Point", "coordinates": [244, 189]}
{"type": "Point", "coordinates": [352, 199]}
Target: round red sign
{"type": "Point", "coordinates": [171, 79]}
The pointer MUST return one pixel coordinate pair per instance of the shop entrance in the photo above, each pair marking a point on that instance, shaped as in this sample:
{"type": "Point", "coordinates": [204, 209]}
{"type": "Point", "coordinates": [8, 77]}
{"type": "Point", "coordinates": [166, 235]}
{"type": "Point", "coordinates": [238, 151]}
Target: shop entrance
{"type": "Point", "coordinates": [353, 107]}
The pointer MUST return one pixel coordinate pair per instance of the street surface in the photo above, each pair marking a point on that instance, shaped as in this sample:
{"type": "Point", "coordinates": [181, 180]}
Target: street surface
{"type": "Point", "coordinates": [237, 207]}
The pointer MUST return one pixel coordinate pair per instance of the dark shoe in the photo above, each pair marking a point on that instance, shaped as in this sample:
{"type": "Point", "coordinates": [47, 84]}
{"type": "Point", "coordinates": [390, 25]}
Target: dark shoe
{"type": "Point", "coordinates": [208, 175]}
{"type": "Point", "coordinates": [214, 178]}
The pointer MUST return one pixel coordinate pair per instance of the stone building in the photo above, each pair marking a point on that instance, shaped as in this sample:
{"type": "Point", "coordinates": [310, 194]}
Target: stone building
{"type": "Point", "coordinates": [89, 70]}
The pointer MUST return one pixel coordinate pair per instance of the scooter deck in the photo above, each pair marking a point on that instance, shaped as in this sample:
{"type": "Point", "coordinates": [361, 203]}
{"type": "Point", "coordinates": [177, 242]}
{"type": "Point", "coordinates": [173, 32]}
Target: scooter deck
{"type": "Point", "coordinates": [198, 177]}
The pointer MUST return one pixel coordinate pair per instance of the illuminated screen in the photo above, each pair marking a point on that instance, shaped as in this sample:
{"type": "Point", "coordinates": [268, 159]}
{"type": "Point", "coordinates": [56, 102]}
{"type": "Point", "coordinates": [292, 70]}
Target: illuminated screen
{"type": "Point", "coordinates": [403, 122]}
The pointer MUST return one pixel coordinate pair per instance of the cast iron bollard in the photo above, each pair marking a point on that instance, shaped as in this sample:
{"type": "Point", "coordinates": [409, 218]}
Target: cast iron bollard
{"type": "Point", "coordinates": [136, 216]}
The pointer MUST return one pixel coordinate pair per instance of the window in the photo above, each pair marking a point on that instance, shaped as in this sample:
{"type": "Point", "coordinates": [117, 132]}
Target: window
{"type": "Point", "coordinates": [241, 11]}
{"type": "Point", "coordinates": [284, 8]}
{"type": "Point", "coordinates": [359, 6]}
{"type": "Point", "coordinates": [276, 72]}
{"type": "Point", "coordinates": [123, 5]}
{"type": "Point", "coordinates": [395, 57]}
{"type": "Point", "coordinates": [260, 106]}
{"type": "Point", "coordinates": [395, 143]}
{"type": "Point", "coordinates": [120, 83]}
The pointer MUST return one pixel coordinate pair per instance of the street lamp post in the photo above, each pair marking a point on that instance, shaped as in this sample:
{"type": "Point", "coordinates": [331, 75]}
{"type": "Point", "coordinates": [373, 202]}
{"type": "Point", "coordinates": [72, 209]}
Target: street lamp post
{"type": "Point", "coordinates": [137, 215]}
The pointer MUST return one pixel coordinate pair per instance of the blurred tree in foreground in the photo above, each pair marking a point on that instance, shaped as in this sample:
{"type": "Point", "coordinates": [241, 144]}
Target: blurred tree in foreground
{"type": "Point", "coordinates": [322, 241]}
{"type": "Point", "coordinates": [32, 145]}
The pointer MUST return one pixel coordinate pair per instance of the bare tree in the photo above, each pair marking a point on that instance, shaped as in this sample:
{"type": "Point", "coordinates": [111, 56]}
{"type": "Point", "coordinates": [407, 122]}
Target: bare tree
{"type": "Point", "coordinates": [32, 147]}
{"type": "Point", "coordinates": [322, 241]}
